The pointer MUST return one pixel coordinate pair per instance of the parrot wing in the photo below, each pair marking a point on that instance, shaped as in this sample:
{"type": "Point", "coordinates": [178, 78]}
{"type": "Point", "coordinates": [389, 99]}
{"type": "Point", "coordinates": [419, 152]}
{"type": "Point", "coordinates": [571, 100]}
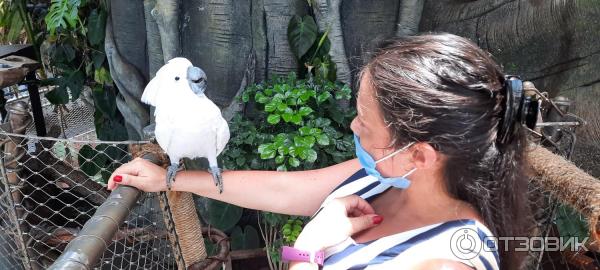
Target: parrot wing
{"type": "Point", "coordinates": [222, 132]}
{"type": "Point", "coordinates": [165, 132]}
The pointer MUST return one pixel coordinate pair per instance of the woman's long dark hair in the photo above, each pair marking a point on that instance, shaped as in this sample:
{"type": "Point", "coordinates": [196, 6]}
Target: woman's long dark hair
{"type": "Point", "coordinates": [445, 90]}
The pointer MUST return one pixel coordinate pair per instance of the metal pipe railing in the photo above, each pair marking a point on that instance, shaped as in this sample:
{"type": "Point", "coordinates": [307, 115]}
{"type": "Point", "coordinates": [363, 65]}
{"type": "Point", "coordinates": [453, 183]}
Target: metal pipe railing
{"type": "Point", "coordinates": [85, 250]}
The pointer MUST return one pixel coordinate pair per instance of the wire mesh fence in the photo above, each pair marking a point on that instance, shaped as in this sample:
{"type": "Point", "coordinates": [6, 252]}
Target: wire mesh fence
{"type": "Point", "coordinates": [51, 187]}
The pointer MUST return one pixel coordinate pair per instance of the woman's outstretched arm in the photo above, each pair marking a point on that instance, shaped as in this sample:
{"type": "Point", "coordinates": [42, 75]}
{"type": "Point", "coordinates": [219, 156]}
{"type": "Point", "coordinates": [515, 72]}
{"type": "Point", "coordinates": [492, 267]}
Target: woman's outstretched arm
{"type": "Point", "coordinates": [292, 193]}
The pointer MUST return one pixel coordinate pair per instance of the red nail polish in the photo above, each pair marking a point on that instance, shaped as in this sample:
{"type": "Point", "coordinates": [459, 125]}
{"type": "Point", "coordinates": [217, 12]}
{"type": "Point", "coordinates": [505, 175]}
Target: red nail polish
{"type": "Point", "coordinates": [377, 219]}
{"type": "Point", "coordinates": [118, 178]}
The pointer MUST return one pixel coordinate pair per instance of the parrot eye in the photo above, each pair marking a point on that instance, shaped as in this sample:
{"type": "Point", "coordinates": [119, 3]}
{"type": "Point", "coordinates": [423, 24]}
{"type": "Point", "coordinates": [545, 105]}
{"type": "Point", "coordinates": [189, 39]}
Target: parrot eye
{"type": "Point", "coordinates": [177, 78]}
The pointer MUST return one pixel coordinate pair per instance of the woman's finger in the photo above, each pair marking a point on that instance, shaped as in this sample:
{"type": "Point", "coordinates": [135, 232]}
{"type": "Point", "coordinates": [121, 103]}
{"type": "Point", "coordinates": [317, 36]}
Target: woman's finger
{"type": "Point", "coordinates": [363, 222]}
{"type": "Point", "coordinates": [356, 203]}
{"type": "Point", "coordinates": [133, 167]}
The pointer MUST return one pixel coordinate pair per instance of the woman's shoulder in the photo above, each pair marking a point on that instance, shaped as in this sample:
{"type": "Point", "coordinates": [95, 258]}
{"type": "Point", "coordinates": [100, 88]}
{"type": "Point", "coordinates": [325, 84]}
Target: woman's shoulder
{"type": "Point", "coordinates": [466, 241]}
{"type": "Point", "coordinates": [456, 240]}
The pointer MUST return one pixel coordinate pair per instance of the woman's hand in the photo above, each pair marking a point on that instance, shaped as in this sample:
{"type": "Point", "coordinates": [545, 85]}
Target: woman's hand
{"type": "Point", "coordinates": [141, 174]}
{"type": "Point", "coordinates": [338, 220]}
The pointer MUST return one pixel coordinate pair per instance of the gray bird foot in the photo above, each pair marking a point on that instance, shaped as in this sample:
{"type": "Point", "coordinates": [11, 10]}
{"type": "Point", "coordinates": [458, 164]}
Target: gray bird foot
{"type": "Point", "coordinates": [216, 174]}
{"type": "Point", "coordinates": [171, 171]}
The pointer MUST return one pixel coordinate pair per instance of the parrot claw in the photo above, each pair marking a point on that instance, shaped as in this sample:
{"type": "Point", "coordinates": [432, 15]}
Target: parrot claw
{"type": "Point", "coordinates": [216, 174]}
{"type": "Point", "coordinates": [171, 172]}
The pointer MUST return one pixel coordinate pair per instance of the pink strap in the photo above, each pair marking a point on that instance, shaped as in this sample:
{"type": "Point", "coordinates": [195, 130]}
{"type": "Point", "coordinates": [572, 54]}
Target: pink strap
{"type": "Point", "coordinates": [292, 254]}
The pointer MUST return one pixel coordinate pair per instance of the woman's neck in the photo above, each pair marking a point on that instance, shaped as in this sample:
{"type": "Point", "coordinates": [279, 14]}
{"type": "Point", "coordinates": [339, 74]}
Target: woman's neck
{"type": "Point", "coordinates": [423, 203]}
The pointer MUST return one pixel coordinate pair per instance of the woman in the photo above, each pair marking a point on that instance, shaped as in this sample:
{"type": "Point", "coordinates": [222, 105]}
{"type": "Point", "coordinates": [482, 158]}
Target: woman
{"type": "Point", "coordinates": [435, 157]}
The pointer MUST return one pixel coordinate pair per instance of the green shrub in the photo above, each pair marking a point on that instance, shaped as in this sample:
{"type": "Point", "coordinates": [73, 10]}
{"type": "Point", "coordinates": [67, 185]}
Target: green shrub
{"type": "Point", "coordinates": [296, 125]}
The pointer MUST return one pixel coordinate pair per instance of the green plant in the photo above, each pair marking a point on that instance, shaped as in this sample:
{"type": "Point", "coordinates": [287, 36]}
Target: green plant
{"type": "Point", "coordinates": [311, 48]}
{"type": "Point", "coordinates": [269, 225]}
{"type": "Point", "coordinates": [295, 124]}
{"type": "Point", "coordinates": [292, 229]}
{"type": "Point", "coordinates": [14, 20]}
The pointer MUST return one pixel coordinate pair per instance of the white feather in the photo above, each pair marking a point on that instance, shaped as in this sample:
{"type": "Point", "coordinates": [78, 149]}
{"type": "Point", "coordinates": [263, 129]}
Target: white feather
{"type": "Point", "coordinates": [187, 125]}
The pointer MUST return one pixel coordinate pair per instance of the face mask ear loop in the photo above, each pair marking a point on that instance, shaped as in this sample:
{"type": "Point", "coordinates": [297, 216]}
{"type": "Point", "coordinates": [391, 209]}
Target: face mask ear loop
{"type": "Point", "coordinates": [395, 152]}
{"type": "Point", "coordinates": [409, 172]}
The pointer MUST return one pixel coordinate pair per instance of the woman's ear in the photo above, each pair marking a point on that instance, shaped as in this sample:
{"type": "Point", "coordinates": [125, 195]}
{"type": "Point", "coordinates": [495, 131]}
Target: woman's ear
{"type": "Point", "coordinates": [424, 156]}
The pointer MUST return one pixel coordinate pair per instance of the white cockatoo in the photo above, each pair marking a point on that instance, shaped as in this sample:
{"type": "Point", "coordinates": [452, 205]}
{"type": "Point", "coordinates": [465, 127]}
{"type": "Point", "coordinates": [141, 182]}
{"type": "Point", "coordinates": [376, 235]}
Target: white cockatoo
{"type": "Point", "coordinates": [188, 124]}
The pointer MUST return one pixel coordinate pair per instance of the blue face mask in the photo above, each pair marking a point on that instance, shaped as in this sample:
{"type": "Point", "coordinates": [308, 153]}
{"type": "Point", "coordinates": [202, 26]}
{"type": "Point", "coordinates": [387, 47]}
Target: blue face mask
{"type": "Point", "coordinates": [369, 164]}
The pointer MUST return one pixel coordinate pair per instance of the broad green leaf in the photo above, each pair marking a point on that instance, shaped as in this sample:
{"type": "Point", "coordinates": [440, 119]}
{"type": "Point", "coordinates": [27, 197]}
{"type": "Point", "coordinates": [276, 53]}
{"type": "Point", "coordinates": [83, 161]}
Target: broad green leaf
{"type": "Point", "coordinates": [296, 119]}
{"type": "Point", "coordinates": [304, 131]}
{"type": "Point", "coordinates": [98, 58]}
{"type": "Point", "coordinates": [281, 107]}
{"type": "Point", "coordinates": [304, 111]}
{"type": "Point", "coordinates": [96, 26]}
{"type": "Point", "coordinates": [318, 50]}
{"type": "Point", "coordinates": [60, 13]}
{"type": "Point", "coordinates": [270, 107]}
{"type": "Point", "coordinates": [110, 130]}
{"type": "Point", "coordinates": [260, 98]}
{"type": "Point", "coordinates": [311, 155]}
{"type": "Point", "coordinates": [266, 151]}
{"type": "Point", "coordinates": [279, 159]}
{"type": "Point", "coordinates": [302, 152]}
{"type": "Point", "coordinates": [322, 139]}
{"type": "Point", "coordinates": [247, 239]}
{"type": "Point", "coordinates": [104, 99]}
{"type": "Point", "coordinates": [323, 97]}
{"type": "Point", "coordinates": [75, 83]}
{"type": "Point", "coordinates": [302, 34]}
{"type": "Point", "coordinates": [102, 76]}
{"type": "Point", "coordinates": [294, 162]}
{"type": "Point", "coordinates": [309, 141]}
{"type": "Point", "coordinates": [273, 119]}
{"type": "Point", "coordinates": [221, 215]}
{"type": "Point", "coordinates": [287, 117]}
{"type": "Point", "coordinates": [58, 95]}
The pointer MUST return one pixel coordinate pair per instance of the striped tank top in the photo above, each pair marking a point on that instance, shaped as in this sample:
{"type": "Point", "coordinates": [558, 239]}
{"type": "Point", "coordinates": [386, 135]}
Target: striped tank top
{"type": "Point", "coordinates": [466, 241]}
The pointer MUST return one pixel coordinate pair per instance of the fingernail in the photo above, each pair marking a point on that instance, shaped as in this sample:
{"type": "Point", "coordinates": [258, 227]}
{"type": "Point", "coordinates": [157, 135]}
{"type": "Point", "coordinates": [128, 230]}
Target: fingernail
{"type": "Point", "coordinates": [377, 219]}
{"type": "Point", "coordinates": [118, 178]}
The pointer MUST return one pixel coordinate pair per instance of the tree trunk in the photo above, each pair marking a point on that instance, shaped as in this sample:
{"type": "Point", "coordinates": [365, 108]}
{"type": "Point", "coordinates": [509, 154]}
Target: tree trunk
{"type": "Point", "coordinates": [130, 83]}
{"type": "Point", "coordinates": [166, 14]}
{"type": "Point", "coordinates": [277, 14]}
{"type": "Point", "coordinates": [327, 14]}
{"type": "Point", "coordinates": [364, 26]}
{"type": "Point", "coordinates": [409, 17]}
{"type": "Point", "coordinates": [129, 33]}
{"type": "Point", "coordinates": [217, 38]}
{"type": "Point", "coordinates": [155, 53]}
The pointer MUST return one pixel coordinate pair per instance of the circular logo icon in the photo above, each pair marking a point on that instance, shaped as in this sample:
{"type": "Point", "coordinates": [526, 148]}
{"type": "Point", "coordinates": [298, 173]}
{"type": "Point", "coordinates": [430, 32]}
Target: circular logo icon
{"type": "Point", "coordinates": [465, 244]}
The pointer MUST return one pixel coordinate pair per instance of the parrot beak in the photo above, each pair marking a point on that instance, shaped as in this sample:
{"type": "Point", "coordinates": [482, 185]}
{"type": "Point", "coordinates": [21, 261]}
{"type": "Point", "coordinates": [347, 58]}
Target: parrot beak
{"type": "Point", "coordinates": [196, 79]}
